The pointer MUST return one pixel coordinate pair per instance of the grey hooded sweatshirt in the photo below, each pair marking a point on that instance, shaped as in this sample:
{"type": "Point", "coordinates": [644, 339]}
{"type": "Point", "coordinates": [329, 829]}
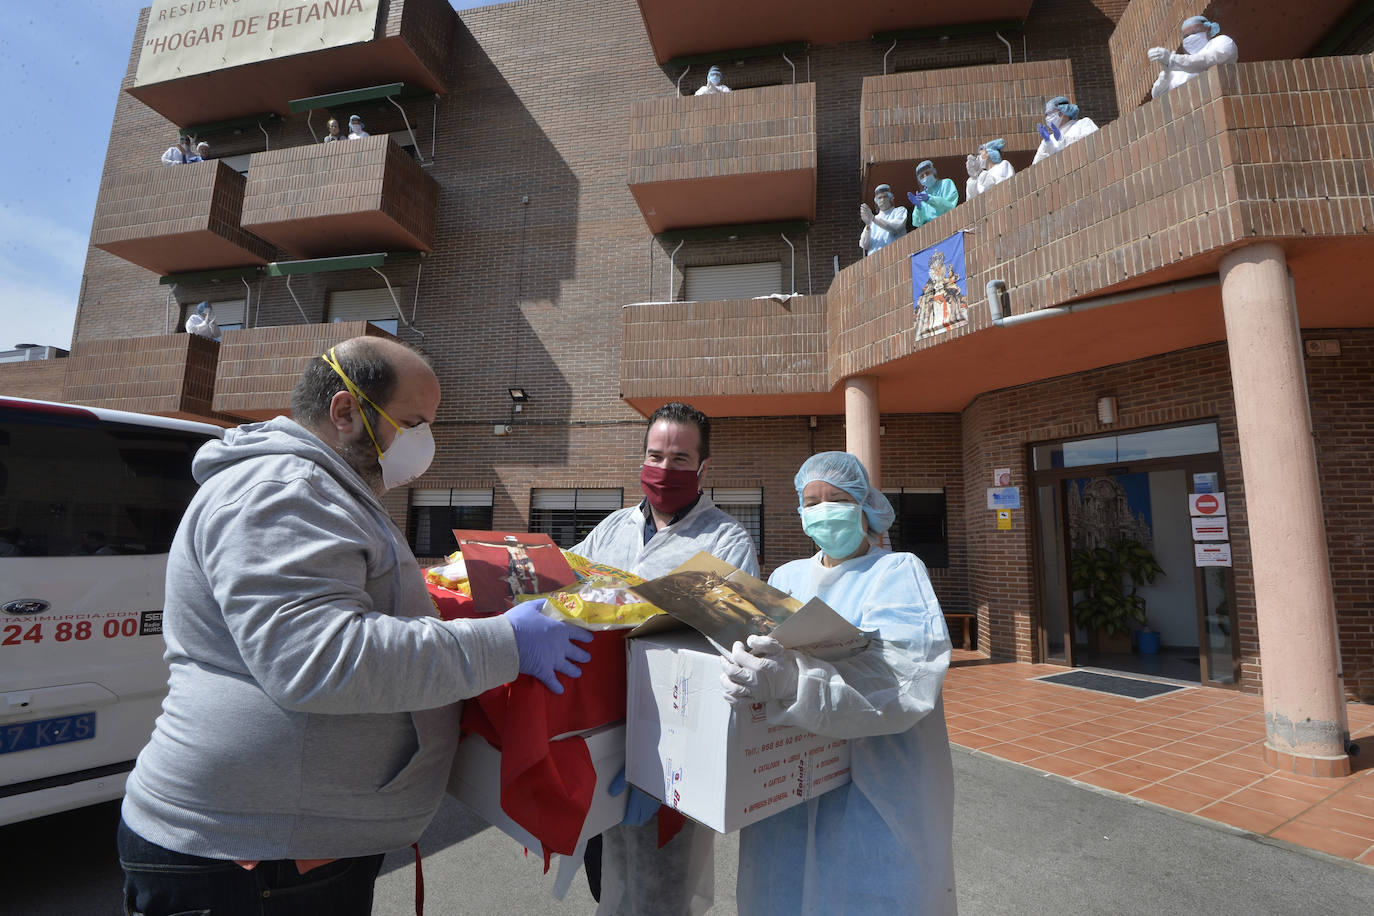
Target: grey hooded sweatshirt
{"type": "Point", "coordinates": [313, 701]}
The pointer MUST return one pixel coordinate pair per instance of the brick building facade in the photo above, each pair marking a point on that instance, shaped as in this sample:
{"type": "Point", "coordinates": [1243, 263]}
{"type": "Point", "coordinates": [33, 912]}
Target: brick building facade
{"type": "Point", "coordinates": [564, 191]}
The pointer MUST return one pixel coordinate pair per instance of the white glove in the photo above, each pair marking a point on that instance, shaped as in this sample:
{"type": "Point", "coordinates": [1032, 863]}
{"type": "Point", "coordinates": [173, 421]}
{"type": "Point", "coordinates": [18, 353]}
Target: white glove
{"type": "Point", "coordinates": [866, 213]}
{"type": "Point", "coordinates": [771, 674]}
{"type": "Point", "coordinates": [972, 166]}
{"type": "Point", "coordinates": [1160, 56]}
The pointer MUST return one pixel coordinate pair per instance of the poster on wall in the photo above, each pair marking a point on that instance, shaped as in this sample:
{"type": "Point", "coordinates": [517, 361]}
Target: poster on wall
{"type": "Point", "coordinates": [939, 286]}
{"type": "Point", "coordinates": [186, 37]}
{"type": "Point", "coordinates": [1211, 554]}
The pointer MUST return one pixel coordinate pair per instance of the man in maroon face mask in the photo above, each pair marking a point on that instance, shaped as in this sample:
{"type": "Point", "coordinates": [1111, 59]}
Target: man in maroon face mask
{"type": "Point", "coordinates": [674, 522]}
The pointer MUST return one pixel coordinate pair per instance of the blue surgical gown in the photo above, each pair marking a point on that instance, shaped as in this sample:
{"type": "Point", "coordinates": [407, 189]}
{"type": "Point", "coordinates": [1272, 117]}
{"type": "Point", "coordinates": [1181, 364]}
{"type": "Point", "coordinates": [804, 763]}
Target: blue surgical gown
{"type": "Point", "coordinates": [883, 843]}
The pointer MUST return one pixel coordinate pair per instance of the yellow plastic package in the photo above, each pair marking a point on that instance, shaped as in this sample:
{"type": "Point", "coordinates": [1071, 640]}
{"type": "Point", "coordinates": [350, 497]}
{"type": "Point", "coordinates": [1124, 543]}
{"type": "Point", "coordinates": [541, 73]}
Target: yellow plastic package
{"type": "Point", "coordinates": [602, 597]}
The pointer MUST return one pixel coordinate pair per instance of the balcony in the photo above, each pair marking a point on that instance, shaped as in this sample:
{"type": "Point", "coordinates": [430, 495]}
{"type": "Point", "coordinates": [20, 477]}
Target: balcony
{"type": "Point", "coordinates": [943, 115]}
{"type": "Point", "coordinates": [1142, 212]}
{"type": "Point", "coordinates": [351, 197]}
{"type": "Point", "coordinates": [258, 367]}
{"type": "Point", "coordinates": [745, 157]}
{"type": "Point", "coordinates": [235, 76]}
{"type": "Point", "coordinates": [679, 29]}
{"type": "Point", "coordinates": [737, 356]}
{"type": "Point", "coordinates": [171, 375]}
{"type": "Point", "coordinates": [1263, 33]}
{"type": "Point", "coordinates": [176, 219]}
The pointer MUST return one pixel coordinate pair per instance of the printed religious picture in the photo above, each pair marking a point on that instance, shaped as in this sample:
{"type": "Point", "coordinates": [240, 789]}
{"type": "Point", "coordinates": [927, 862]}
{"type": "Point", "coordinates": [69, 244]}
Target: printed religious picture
{"type": "Point", "coordinates": [503, 567]}
{"type": "Point", "coordinates": [939, 286]}
{"type": "Point", "coordinates": [721, 602]}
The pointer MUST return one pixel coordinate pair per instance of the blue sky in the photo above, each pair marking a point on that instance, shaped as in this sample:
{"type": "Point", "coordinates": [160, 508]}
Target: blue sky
{"type": "Point", "coordinates": [61, 67]}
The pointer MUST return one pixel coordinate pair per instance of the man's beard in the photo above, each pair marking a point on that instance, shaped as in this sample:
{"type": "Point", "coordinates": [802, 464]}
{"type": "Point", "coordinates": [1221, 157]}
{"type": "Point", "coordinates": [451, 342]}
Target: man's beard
{"type": "Point", "coordinates": [361, 456]}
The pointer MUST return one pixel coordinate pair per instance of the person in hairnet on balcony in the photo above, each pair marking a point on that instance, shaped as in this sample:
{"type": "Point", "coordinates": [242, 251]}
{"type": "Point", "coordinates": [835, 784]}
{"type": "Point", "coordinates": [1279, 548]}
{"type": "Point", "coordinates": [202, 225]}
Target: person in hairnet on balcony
{"type": "Point", "coordinates": [986, 168]}
{"type": "Point", "coordinates": [883, 227]}
{"type": "Point", "coordinates": [1204, 47]}
{"type": "Point", "coordinates": [1062, 127]}
{"type": "Point", "coordinates": [882, 843]}
{"type": "Point", "coordinates": [937, 195]}
{"type": "Point", "coordinates": [714, 84]}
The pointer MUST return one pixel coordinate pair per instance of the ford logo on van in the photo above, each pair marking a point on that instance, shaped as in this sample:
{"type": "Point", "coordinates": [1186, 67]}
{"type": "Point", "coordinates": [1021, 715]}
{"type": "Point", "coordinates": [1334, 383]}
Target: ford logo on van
{"type": "Point", "coordinates": [25, 606]}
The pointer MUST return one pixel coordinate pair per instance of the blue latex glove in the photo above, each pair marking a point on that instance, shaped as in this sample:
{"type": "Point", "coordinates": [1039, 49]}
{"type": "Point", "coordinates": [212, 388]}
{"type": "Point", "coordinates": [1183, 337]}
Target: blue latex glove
{"type": "Point", "coordinates": [1044, 133]}
{"type": "Point", "coordinates": [1054, 129]}
{"type": "Point", "coordinates": [545, 645]}
{"type": "Point", "coordinates": [640, 807]}
{"type": "Point", "coordinates": [918, 198]}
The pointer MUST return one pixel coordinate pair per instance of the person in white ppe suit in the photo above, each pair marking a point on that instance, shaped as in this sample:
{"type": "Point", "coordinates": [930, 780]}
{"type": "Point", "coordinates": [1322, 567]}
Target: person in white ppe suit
{"type": "Point", "coordinates": [177, 155]}
{"type": "Point", "coordinates": [1062, 127]}
{"type": "Point", "coordinates": [1204, 47]}
{"type": "Point", "coordinates": [885, 226]}
{"type": "Point", "coordinates": [355, 128]}
{"type": "Point", "coordinates": [628, 872]}
{"type": "Point", "coordinates": [714, 84]}
{"type": "Point", "coordinates": [884, 842]}
{"type": "Point", "coordinates": [202, 323]}
{"type": "Point", "coordinates": [986, 168]}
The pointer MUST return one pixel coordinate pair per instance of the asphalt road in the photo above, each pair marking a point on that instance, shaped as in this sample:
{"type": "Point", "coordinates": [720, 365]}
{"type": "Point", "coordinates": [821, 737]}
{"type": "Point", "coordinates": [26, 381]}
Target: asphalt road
{"type": "Point", "coordinates": [1024, 844]}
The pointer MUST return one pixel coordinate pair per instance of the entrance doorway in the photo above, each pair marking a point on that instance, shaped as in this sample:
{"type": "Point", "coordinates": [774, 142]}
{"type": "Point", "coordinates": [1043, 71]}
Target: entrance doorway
{"type": "Point", "coordinates": [1112, 505]}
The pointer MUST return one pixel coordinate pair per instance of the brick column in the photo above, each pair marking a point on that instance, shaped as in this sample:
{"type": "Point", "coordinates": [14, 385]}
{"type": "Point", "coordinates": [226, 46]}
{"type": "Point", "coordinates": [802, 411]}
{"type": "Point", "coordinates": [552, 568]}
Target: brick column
{"type": "Point", "coordinates": [861, 436]}
{"type": "Point", "coordinates": [1304, 707]}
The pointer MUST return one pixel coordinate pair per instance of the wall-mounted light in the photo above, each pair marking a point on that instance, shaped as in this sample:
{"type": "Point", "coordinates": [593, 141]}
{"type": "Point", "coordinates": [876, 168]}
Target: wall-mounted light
{"type": "Point", "coordinates": [518, 395]}
{"type": "Point", "coordinates": [1106, 410]}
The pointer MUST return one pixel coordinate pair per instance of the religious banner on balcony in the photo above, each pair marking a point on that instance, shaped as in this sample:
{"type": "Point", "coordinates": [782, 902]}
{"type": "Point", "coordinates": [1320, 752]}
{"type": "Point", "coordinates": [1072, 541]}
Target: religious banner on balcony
{"type": "Point", "coordinates": [939, 285]}
{"type": "Point", "coordinates": [186, 37]}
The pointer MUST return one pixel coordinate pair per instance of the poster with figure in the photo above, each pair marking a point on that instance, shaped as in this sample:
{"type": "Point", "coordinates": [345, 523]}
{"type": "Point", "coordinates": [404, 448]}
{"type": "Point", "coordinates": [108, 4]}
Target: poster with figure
{"type": "Point", "coordinates": [939, 286]}
{"type": "Point", "coordinates": [504, 566]}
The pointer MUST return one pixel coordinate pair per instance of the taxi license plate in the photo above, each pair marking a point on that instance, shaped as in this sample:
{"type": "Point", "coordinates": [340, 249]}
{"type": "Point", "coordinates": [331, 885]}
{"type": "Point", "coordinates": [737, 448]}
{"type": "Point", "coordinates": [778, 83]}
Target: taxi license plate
{"type": "Point", "coordinates": [26, 736]}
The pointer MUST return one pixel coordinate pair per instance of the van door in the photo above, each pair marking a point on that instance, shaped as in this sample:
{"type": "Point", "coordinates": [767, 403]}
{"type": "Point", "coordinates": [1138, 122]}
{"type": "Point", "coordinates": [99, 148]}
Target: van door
{"type": "Point", "coordinates": [88, 509]}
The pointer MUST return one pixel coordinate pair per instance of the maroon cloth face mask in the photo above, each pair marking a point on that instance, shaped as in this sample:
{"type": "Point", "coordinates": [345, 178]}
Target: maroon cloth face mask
{"type": "Point", "coordinates": [668, 489]}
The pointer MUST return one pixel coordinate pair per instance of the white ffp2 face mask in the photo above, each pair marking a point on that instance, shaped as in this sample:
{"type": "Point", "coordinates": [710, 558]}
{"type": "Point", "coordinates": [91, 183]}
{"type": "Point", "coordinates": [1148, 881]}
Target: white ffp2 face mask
{"type": "Point", "coordinates": [1195, 42]}
{"type": "Point", "coordinates": [409, 455]}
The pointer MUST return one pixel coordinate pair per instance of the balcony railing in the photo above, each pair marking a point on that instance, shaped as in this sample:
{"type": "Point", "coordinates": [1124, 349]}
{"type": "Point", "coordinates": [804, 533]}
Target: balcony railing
{"type": "Point", "coordinates": [259, 367]}
{"type": "Point", "coordinates": [943, 115]}
{"type": "Point", "coordinates": [172, 375]}
{"type": "Point", "coordinates": [176, 218]}
{"type": "Point", "coordinates": [744, 157]}
{"type": "Point", "coordinates": [349, 197]}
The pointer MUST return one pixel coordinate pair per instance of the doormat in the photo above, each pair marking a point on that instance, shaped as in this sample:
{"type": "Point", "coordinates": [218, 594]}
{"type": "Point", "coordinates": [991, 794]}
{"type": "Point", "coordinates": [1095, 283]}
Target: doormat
{"type": "Point", "coordinates": [1109, 683]}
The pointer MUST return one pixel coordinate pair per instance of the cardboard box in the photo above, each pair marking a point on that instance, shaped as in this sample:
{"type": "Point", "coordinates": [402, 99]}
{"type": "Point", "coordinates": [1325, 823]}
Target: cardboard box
{"type": "Point", "coordinates": [475, 780]}
{"type": "Point", "coordinates": [689, 748]}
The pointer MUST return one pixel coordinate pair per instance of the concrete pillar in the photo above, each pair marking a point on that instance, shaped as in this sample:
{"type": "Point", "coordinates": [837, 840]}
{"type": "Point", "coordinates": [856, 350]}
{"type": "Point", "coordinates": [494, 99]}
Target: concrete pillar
{"type": "Point", "coordinates": [861, 435]}
{"type": "Point", "coordinates": [1304, 705]}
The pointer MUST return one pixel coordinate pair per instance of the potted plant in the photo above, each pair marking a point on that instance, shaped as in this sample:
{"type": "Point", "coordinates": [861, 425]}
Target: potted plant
{"type": "Point", "coordinates": [1103, 576]}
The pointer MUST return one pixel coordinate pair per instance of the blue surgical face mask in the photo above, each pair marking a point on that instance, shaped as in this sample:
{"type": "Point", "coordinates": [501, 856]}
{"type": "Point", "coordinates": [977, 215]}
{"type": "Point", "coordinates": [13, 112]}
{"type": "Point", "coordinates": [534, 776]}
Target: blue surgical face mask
{"type": "Point", "coordinates": [928, 179]}
{"type": "Point", "coordinates": [713, 78]}
{"type": "Point", "coordinates": [837, 528]}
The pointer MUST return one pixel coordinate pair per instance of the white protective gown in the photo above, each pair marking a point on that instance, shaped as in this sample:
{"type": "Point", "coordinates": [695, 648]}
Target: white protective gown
{"type": "Point", "coordinates": [987, 178]}
{"type": "Point", "coordinates": [883, 844]}
{"type": "Point", "coordinates": [1072, 132]}
{"type": "Point", "coordinates": [875, 237]}
{"type": "Point", "coordinates": [708, 89]}
{"type": "Point", "coordinates": [1183, 67]}
{"type": "Point", "coordinates": [173, 156]}
{"type": "Point", "coordinates": [636, 876]}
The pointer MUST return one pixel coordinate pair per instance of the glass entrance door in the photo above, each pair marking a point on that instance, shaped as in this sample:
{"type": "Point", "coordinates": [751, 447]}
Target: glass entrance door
{"type": "Point", "coordinates": [1095, 519]}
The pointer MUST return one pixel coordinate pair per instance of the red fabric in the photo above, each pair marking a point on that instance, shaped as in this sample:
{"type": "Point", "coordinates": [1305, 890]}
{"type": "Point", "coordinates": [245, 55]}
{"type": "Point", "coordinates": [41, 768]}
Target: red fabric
{"type": "Point", "coordinates": [670, 821]}
{"type": "Point", "coordinates": [546, 785]}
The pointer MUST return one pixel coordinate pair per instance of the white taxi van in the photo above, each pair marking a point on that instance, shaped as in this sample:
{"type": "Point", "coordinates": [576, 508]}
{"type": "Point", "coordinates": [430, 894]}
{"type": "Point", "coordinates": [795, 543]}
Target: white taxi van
{"type": "Point", "coordinates": [89, 502]}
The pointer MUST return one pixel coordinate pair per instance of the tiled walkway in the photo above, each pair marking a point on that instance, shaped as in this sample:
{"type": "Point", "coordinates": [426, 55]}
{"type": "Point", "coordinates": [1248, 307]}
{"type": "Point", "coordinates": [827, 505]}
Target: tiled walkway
{"type": "Point", "coordinates": [1197, 750]}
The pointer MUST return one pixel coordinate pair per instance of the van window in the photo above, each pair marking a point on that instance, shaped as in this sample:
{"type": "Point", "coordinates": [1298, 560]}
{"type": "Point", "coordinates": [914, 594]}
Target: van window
{"type": "Point", "coordinates": [70, 487]}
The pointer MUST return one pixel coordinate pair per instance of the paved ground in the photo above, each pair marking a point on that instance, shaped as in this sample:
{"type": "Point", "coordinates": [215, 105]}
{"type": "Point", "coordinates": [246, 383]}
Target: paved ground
{"type": "Point", "coordinates": [1025, 843]}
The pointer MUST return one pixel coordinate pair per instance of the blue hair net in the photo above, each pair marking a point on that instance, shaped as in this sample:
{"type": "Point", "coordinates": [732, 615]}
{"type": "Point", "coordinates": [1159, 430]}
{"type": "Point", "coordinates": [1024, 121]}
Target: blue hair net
{"type": "Point", "coordinates": [1066, 108]}
{"type": "Point", "coordinates": [1213, 28]}
{"type": "Point", "coordinates": [994, 149]}
{"type": "Point", "coordinates": [845, 471]}
{"type": "Point", "coordinates": [202, 309]}
{"type": "Point", "coordinates": [923, 165]}
{"type": "Point", "coordinates": [714, 70]}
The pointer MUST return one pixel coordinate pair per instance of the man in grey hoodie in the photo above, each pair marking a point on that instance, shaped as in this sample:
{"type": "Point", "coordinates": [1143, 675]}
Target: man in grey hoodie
{"type": "Point", "coordinates": [313, 702]}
